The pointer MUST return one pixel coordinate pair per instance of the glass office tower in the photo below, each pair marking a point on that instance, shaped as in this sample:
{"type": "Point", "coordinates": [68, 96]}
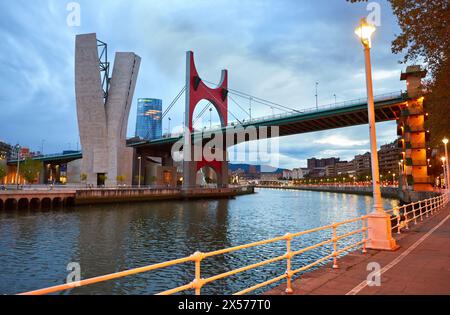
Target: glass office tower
{"type": "Point", "coordinates": [148, 122]}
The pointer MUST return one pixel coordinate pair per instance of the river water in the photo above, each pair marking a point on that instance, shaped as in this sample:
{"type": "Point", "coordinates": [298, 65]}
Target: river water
{"type": "Point", "coordinates": [37, 246]}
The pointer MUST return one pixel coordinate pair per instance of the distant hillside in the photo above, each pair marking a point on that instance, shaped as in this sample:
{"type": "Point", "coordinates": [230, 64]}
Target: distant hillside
{"type": "Point", "coordinates": [259, 168]}
{"type": "Point", "coordinates": [244, 167]}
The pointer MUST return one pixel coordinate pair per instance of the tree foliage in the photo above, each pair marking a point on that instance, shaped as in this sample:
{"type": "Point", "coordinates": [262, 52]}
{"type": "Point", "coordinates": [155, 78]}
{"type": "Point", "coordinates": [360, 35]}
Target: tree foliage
{"type": "Point", "coordinates": [30, 169]}
{"type": "Point", "coordinates": [425, 38]}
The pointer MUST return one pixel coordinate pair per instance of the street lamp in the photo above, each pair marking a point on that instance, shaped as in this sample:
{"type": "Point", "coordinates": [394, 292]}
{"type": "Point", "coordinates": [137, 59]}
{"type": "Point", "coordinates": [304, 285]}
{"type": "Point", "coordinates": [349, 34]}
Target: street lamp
{"type": "Point", "coordinates": [210, 118]}
{"type": "Point", "coordinates": [380, 235]}
{"type": "Point", "coordinates": [364, 32]}
{"type": "Point", "coordinates": [139, 173]}
{"type": "Point", "coordinates": [18, 165]}
{"type": "Point", "coordinates": [317, 96]}
{"type": "Point", "coordinates": [444, 160]}
{"type": "Point", "coordinates": [447, 179]}
{"type": "Point", "coordinates": [170, 120]}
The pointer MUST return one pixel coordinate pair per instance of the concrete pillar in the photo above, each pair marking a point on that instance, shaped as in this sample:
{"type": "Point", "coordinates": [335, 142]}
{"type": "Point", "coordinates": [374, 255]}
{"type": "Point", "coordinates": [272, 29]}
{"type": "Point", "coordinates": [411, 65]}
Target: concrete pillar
{"type": "Point", "coordinates": [103, 122]}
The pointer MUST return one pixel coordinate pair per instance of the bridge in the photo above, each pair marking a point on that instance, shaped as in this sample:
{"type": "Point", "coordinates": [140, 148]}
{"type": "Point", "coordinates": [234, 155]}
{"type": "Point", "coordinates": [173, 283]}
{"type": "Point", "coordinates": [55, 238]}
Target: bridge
{"type": "Point", "coordinates": [338, 115]}
{"type": "Point", "coordinates": [406, 108]}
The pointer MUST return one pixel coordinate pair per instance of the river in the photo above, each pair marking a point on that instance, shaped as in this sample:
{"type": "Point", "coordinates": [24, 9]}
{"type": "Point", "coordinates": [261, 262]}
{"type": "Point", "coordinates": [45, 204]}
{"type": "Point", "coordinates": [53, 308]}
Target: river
{"type": "Point", "coordinates": [37, 246]}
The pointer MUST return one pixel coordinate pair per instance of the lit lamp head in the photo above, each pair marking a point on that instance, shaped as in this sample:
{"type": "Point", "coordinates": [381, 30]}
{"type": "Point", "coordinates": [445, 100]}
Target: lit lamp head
{"type": "Point", "coordinates": [364, 32]}
{"type": "Point", "coordinates": [443, 159]}
{"type": "Point", "coordinates": [445, 141]}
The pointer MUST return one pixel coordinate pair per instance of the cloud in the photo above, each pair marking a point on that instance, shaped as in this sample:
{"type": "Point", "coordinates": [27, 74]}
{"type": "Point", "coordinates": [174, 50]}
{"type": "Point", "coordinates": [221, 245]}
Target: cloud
{"type": "Point", "coordinates": [341, 141]}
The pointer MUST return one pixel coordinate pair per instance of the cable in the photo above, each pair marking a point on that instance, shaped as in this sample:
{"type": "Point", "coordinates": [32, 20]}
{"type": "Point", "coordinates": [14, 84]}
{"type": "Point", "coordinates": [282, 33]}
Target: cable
{"type": "Point", "coordinates": [203, 111]}
{"type": "Point", "coordinates": [173, 102]}
{"type": "Point", "coordinates": [220, 104]}
{"type": "Point", "coordinates": [258, 99]}
{"type": "Point", "coordinates": [234, 101]}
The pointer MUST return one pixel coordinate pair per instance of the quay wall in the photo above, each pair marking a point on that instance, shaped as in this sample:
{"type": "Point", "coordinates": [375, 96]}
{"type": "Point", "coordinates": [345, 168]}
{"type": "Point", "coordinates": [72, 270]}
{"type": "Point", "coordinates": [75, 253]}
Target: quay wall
{"type": "Point", "coordinates": [386, 192]}
{"type": "Point", "coordinates": [58, 198]}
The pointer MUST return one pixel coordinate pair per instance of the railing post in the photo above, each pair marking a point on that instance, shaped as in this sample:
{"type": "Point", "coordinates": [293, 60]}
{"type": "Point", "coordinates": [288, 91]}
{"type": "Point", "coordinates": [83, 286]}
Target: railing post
{"type": "Point", "coordinates": [405, 213]}
{"type": "Point", "coordinates": [289, 274]}
{"type": "Point", "coordinates": [421, 212]}
{"type": "Point", "coordinates": [364, 233]}
{"type": "Point", "coordinates": [415, 213]}
{"type": "Point", "coordinates": [427, 207]}
{"type": "Point", "coordinates": [398, 221]}
{"type": "Point", "coordinates": [335, 265]}
{"type": "Point", "coordinates": [197, 284]}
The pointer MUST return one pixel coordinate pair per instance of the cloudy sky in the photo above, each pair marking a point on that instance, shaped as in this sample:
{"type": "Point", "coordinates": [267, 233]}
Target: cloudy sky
{"type": "Point", "coordinates": [275, 50]}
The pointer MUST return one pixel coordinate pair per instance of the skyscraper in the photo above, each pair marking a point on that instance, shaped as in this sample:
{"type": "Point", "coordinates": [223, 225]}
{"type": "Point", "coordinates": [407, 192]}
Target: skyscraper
{"type": "Point", "coordinates": [149, 122]}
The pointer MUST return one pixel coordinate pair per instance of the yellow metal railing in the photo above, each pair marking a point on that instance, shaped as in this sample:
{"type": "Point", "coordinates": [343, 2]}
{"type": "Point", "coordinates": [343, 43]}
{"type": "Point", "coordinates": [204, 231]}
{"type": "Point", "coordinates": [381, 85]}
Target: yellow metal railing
{"type": "Point", "coordinates": [405, 214]}
{"type": "Point", "coordinates": [419, 209]}
{"type": "Point", "coordinates": [198, 283]}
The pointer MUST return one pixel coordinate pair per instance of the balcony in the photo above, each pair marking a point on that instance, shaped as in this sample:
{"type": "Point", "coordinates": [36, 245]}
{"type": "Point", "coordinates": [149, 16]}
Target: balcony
{"type": "Point", "coordinates": [415, 129]}
{"type": "Point", "coordinates": [412, 111]}
{"type": "Point", "coordinates": [413, 146]}
{"type": "Point", "coordinates": [423, 180]}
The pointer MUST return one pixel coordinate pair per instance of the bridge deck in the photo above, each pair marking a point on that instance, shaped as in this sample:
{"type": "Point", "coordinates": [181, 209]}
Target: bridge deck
{"type": "Point", "coordinates": [420, 266]}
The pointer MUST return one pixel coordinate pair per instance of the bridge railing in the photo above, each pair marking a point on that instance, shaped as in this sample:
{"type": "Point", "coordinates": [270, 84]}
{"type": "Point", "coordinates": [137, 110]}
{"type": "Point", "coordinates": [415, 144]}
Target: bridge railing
{"type": "Point", "coordinates": [338, 232]}
{"type": "Point", "coordinates": [378, 98]}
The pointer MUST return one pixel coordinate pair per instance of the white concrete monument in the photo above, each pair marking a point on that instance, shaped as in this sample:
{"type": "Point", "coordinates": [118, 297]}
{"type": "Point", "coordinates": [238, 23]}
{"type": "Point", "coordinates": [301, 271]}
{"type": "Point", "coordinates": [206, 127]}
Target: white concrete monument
{"type": "Point", "coordinates": [102, 122]}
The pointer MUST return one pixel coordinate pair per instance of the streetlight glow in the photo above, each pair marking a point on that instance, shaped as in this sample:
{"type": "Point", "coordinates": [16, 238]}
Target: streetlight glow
{"type": "Point", "coordinates": [445, 140]}
{"type": "Point", "coordinates": [364, 32]}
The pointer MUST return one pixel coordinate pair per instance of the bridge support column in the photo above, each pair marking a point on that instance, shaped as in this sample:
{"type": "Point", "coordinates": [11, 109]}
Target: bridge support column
{"type": "Point", "coordinates": [194, 158]}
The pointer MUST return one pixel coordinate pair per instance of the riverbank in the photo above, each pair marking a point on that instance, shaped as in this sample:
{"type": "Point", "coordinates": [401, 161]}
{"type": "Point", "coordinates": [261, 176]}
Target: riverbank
{"type": "Point", "coordinates": [102, 196]}
{"type": "Point", "coordinates": [386, 192]}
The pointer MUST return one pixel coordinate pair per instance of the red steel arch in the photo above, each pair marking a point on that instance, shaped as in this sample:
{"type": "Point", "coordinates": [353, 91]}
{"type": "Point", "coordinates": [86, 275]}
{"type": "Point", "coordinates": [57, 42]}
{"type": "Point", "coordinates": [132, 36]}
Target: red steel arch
{"type": "Point", "coordinates": [196, 91]}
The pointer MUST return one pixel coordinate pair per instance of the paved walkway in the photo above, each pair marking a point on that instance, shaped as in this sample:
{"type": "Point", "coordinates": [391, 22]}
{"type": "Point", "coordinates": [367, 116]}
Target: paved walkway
{"type": "Point", "coordinates": [420, 266]}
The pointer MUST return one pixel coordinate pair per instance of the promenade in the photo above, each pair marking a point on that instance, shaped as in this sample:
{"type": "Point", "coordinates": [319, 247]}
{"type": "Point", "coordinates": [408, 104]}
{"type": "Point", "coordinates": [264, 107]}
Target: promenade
{"type": "Point", "coordinates": [420, 266]}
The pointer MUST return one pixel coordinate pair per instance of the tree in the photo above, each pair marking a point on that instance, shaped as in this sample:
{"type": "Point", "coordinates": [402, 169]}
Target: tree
{"type": "Point", "coordinates": [102, 178]}
{"type": "Point", "coordinates": [30, 169]}
{"type": "Point", "coordinates": [2, 173]}
{"type": "Point", "coordinates": [120, 179]}
{"type": "Point", "coordinates": [425, 29]}
{"type": "Point", "coordinates": [139, 179]}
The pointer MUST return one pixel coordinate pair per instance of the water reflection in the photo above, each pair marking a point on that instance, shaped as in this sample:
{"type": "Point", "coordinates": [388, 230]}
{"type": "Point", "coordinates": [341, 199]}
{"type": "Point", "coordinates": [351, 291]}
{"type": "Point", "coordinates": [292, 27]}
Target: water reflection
{"type": "Point", "coordinates": [35, 247]}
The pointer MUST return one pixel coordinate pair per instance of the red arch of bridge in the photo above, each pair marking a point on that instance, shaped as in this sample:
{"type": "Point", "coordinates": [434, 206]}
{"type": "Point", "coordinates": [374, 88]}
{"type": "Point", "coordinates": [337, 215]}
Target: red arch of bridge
{"type": "Point", "coordinates": [197, 91]}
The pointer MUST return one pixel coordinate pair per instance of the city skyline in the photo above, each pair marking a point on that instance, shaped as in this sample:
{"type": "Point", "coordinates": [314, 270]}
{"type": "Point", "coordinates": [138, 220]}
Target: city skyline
{"type": "Point", "coordinates": [298, 53]}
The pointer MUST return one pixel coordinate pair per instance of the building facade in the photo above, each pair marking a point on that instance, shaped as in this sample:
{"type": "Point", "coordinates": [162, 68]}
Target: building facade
{"type": "Point", "coordinates": [388, 157]}
{"type": "Point", "coordinates": [149, 119]}
{"type": "Point", "coordinates": [362, 163]}
{"type": "Point", "coordinates": [5, 150]}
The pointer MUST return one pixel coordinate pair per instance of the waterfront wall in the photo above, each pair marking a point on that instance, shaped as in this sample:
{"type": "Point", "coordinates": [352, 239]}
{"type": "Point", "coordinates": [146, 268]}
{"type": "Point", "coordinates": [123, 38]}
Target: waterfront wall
{"type": "Point", "coordinates": [95, 196]}
{"type": "Point", "coordinates": [386, 192]}
{"type": "Point", "coordinates": [49, 199]}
